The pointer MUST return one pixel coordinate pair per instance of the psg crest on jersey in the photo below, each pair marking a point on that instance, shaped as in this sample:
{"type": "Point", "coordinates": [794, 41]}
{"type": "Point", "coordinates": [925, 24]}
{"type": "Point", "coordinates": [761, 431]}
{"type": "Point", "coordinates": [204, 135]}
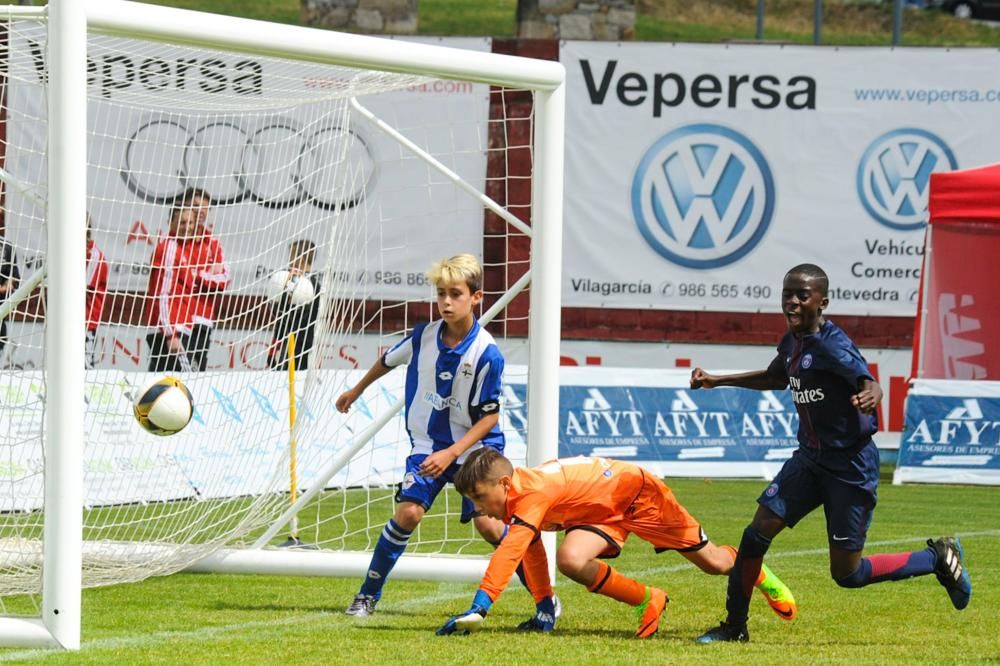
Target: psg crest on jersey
{"type": "Point", "coordinates": [807, 361]}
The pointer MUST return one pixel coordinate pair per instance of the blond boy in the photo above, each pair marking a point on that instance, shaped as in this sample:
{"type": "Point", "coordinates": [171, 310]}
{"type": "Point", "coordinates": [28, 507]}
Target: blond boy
{"type": "Point", "coordinates": [453, 384]}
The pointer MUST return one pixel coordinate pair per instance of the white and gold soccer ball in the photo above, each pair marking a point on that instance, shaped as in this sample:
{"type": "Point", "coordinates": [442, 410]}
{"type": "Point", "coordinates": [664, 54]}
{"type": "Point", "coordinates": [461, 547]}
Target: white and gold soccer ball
{"type": "Point", "coordinates": [164, 407]}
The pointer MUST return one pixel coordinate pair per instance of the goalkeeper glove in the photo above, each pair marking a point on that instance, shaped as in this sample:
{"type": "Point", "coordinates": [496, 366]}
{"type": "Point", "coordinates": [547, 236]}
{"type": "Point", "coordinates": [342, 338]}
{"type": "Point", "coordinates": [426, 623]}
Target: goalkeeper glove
{"type": "Point", "coordinates": [470, 620]}
{"type": "Point", "coordinates": [544, 619]}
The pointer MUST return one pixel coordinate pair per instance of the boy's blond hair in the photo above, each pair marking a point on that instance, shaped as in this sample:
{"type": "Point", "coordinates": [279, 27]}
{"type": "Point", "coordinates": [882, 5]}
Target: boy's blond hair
{"type": "Point", "coordinates": [483, 465]}
{"type": "Point", "coordinates": [460, 268]}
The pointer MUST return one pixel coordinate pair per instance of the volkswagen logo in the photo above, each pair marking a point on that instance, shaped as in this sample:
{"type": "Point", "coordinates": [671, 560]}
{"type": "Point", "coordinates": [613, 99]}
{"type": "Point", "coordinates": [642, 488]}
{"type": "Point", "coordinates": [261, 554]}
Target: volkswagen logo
{"type": "Point", "coordinates": [894, 175]}
{"type": "Point", "coordinates": [703, 196]}
{"type": "Point", "coordinates": [275, 162]}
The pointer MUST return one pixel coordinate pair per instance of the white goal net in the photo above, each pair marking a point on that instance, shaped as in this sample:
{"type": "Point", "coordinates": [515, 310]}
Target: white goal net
{"type": "Point", "coordinates": [247, 210]}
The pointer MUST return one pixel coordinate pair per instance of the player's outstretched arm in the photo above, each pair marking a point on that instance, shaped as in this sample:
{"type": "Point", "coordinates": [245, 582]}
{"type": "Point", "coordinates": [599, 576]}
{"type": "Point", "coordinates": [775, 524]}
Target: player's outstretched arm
{"type": "Point", "coordinates": [502, 565]}
{"type": "Point", "coordinates": [762, 380]}
{"type": "Point", "coordinates": [702, 379]}
{"type": "Point", "coordinates": [469, 621]}
{"type": "Point", "coordinates": [867, 399]}
{"type": "Point", "coordinates": [378, 370]}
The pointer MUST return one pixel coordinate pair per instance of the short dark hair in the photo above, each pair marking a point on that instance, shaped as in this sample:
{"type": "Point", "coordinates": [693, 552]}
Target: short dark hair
{"type": "Point", "coordinates": [814, 273]}
{"type": "Point", "coordinates": [302, 247]}
{"type": "Point", "coordinates": [186, 197]}
{"type": "Point", "coordinates": [485, 464]}
{"type": "Point", "coordinates": [190, 193]}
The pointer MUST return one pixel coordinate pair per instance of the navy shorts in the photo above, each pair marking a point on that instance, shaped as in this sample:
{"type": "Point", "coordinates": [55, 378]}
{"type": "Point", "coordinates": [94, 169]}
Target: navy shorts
{"type": "Point", "coordinates": [848, 494]}
{"type": "Point", "coordinates": [421, 490]}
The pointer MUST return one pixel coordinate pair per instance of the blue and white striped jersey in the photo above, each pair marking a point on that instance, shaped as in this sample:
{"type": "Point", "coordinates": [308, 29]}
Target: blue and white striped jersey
{"type": "Point", "coordinates": [448, 390]}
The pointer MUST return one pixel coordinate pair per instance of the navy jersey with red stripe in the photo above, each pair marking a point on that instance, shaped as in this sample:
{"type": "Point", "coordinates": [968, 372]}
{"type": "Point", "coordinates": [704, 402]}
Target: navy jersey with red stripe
{"type": "Point", "coordinates": [823, 371]}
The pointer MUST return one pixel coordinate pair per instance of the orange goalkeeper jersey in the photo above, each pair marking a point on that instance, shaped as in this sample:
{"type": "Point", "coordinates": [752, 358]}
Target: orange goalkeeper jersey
{"type": "Point", "coordinates": [555, 496]}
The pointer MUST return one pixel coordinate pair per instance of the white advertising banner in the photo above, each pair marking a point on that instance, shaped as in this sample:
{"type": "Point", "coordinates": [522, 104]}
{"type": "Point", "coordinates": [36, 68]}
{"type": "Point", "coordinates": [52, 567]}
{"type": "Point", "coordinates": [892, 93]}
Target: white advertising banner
{"type": "Point", "coordinates": [236, 443]}
{"type": "Point", "coordinates": [696, 175]}
{"type": "Point", "coordinates": [123, 348]}
{"type": "Point", "coordinates": [271, 170]}
{"type": "Point", "coordinates": [952, 433]}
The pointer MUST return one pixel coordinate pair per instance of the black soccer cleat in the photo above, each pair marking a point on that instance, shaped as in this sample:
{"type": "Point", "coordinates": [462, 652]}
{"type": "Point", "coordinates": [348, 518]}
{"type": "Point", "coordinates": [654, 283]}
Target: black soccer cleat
{"type": "Point", "coordinates": [531, 624]}
{"type": "Point", "coordinates": [725, 633]}
{"type": "Point", "coordinates": [951, 572]}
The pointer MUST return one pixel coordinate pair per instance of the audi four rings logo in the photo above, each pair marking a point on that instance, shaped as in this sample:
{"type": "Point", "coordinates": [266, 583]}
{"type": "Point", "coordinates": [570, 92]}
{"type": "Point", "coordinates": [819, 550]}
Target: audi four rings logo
{"type": "Point", "coordinates": [276, 164]}
{"type": "Point", "coordinates": [894, 175]}
{"type": "Point", "coordinates": [703, 196]}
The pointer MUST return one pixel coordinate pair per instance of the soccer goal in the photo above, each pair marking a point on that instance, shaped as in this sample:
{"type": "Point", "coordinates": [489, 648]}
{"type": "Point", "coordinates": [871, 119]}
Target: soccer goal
{"type": "Point", "coordinates": [259, 204]}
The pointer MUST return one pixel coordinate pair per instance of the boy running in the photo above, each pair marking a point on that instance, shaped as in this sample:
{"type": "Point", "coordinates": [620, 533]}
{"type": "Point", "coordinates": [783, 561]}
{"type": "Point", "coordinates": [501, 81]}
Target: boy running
{"type": "Point", "coordinates": [836, 465]}
{"type": "Point", "coordinates": [599, 503]}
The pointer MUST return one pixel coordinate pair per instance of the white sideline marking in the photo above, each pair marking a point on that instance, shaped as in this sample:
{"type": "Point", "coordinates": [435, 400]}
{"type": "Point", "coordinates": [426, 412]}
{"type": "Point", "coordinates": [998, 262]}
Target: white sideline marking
{"type": "Point", "coordinates": [328, 616]}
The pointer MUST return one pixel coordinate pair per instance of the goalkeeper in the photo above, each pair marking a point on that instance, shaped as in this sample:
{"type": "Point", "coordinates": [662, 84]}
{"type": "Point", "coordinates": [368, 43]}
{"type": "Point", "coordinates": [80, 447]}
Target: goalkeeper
{"type": "Point", "coordinates": [598, 502]}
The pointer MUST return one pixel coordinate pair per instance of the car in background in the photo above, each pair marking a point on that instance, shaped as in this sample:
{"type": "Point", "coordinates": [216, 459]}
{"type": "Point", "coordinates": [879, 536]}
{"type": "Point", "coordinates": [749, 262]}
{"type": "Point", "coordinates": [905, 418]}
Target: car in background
{"type": "Point", "coordinates": [979, 9]}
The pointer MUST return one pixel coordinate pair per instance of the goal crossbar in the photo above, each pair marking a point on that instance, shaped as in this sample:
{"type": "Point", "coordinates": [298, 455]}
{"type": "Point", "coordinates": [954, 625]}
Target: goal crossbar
{"type": "Point", "coordinates": [151, 22]}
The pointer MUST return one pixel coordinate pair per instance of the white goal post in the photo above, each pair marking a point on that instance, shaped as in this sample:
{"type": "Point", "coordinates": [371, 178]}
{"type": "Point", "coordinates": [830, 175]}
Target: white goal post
{"type": "Point", "coordinates": [57, 537]}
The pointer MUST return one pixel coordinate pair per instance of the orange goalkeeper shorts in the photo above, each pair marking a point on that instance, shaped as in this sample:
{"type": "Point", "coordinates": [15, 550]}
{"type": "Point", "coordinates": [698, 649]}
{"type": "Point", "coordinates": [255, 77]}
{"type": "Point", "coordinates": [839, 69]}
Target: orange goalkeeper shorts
{"type": "Point", "coordinates": [655, 517]}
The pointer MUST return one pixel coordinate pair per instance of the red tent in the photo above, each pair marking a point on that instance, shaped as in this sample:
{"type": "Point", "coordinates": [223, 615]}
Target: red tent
{"type": "Point", "coordinates": [958, 315]}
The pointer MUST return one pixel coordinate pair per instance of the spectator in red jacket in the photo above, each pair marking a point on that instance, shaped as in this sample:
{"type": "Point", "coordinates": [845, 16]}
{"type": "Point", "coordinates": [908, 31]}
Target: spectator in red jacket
{"type": "Point", "coordinates": [97, 289]}
{"type": "Point", "coordinates": [187, 274]}
{"type": "Point", "coordinates": [210, 283]}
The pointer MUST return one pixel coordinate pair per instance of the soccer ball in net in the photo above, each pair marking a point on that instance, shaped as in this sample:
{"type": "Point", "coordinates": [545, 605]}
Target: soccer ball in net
{"type": "Point", "coordinates": [164, 407]}
{"type": "Point", "coordinates": [298, 287]}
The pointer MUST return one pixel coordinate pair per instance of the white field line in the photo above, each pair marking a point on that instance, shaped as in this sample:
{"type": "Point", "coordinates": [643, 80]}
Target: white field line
{"type": "Point", "coordinates": [207, 633]}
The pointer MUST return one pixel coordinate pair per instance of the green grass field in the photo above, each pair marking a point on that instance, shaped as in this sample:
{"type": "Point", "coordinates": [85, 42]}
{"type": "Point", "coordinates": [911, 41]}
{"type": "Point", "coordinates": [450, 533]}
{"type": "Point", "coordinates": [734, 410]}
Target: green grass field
{"type": "Point", "coordinates": [214, 619]}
